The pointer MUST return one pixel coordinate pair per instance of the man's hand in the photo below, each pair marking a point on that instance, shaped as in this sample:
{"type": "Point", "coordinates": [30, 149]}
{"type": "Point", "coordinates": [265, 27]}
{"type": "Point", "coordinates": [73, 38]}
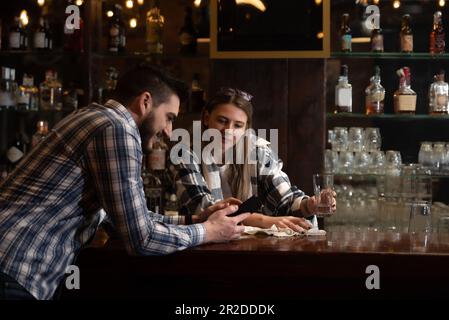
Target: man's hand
{"type": "Point", "coordinates": [220, 227]}
{"type": "Point", "coordinates": [203, 215]}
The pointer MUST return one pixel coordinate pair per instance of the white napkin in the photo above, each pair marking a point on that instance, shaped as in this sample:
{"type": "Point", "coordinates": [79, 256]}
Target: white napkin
{"type": "Point", "coordinates": [284, 232]}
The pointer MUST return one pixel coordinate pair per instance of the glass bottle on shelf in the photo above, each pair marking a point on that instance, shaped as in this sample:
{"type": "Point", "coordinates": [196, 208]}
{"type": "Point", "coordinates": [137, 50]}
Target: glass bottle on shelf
{"type": "Point", "coordinates": [437, 42]}
{"type": "Point", "coordinates": [345, 34]}
{"type": "Point", "coordinates": [117, 38]}
{"type": "Point", "coordinates": [16, 151]}
{"type": "Point", "coordinates": [41, 133]}
{"type": "Point", "coordinates": [439, 95]}
{"type": "Point", "coordinates": [70, 98]}
{"type": "Point", "coordinates": [110, 82]}
{"type": "Point", "coordinates": [28, 98]}
{"type": "Point", "coordinates": [17, 36]}
{"type": "Point", "coordinates": [14, 86]}
{"type": "Point", "coordinates": [377, 39]}
{"type": "Point", "coordinates": [188, 34]}
{"type": "Point", "coordinates": [343, 92]}
{"type": "Point", "coordinates": [154, 28]}
{"type": "Point", "coordinates": [51, 92]}
{"type": "Point", "coordinates": [375, 95]}
{"type": "Point", "coordinates": [153, 190]}
{"type": "Point", "coordinates": [406, 35]}
{"type": "Point", "coordinates": [7, 94]}
{"type": "Point", "coordinates": [42, 39]}
{"type": "Point", "coordinates": [404, 97]}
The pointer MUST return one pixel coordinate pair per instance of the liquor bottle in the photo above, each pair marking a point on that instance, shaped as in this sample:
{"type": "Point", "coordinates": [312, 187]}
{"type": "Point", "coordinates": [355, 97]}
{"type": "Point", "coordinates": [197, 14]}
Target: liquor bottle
{"type": "Point", "coordinates": [375, 95]}
{"type": "Point", "coordinates": [28, 98]}
{"type": "Point", "coordinates": [197, 95]}
{"type": "Point", "coordinates": [377, 39]}
{"type": "Point", "coordinates": [70, 98]}
{"type": "Point", "coordinates": [50, 92]}
{"type": "Point", "coordinates": [437, 42]}
{"type": "Point", "coordinates": [73, 38]}
{"type": "Point", "coordinates": [16, 41]}
{"type": "Point", "coordinates": [42, 38]}
{"type": "Point", "coordinates": [406, 35]}
{"type": "Point", "coordinates": [41, 133]}
{"type": "Point", "coordinates": [404, 97]}
{"type": "Point", "coordinates": [154, 28]}
{"type": "Point", "coordinates": [17, 150]}
{"type": "Point", "coordinates": [116, 34]}
{"type": "Point", "coordinates": [7, 93]}
{"type": "Point", "coordinates": [110, 82]}
{"type": "Point", "coordinates": [152, 188]}
{"type": "Point", "coordinates": [439, 95]}
{"type": "Point", "coordinates": [343, 92]}
{"type": "Point", "coordinates": [188, 34]}
{"type": "Point", "coordinates": [157, 155]}
{"type": "Point", "coordinates": [345, 34]}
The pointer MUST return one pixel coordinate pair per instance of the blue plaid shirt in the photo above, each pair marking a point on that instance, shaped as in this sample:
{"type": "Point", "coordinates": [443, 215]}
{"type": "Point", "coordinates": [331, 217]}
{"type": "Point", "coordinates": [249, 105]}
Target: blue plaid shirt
{"type": "Point", "coordinates": [51, 204]}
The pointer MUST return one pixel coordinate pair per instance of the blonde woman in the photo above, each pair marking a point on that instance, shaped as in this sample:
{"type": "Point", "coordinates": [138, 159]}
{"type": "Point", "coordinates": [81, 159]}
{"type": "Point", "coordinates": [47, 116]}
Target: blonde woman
{"type": "Point", "coordinates": [201, 184]}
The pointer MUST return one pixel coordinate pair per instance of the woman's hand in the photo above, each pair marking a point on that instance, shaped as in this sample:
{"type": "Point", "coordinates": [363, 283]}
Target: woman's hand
{"type": "Point", "coordinates": [311, 205]}
{"type": "Point", "coordinates": [262, 221]}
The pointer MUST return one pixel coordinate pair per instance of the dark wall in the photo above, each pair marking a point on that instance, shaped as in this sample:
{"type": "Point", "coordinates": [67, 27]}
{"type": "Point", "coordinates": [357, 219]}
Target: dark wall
{"type": "Point", "coordinates": [288, 96]}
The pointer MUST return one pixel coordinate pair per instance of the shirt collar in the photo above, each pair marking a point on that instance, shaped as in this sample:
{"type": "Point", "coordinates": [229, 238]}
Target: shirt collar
{"type": "Point", "coordinates": [121, 110]}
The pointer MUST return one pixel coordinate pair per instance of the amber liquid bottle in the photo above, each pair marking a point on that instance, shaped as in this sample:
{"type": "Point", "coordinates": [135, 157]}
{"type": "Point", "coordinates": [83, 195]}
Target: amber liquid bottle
{"type": "Point", "coordinates": [404, 97]}
{"type": "Point", "coordinates": [437, 42]}
{"type": "Point", "coordinates": [406, 35]}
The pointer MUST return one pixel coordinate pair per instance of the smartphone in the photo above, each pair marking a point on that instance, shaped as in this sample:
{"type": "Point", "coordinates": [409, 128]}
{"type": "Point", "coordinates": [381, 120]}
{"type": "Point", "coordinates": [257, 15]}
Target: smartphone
{"type": "Point", "coordinates": [253, 204]}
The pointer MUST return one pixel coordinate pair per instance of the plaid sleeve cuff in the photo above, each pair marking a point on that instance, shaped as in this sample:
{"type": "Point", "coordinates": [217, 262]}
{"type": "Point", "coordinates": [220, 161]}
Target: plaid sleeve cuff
{"type": "Point", "coordinates": [174, 219]}
{"type": "Point", "coordinates": [197, 233]}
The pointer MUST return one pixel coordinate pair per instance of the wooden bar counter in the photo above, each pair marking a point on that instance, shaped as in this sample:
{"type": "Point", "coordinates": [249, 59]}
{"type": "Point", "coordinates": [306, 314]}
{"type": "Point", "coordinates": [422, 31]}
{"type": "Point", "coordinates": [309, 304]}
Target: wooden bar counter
{"type": "Point", "coordinates": [260, 268]}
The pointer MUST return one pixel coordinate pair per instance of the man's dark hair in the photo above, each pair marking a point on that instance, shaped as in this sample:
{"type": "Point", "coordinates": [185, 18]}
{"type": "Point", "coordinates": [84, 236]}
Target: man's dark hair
{"type": "Point", "coordinates": [145, 77]}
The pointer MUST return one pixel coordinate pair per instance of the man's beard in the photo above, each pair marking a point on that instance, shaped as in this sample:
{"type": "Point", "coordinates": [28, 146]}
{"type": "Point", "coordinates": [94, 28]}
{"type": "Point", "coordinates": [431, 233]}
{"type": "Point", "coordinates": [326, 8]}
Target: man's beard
{"type": "Point", "coordinates": [147, 132]}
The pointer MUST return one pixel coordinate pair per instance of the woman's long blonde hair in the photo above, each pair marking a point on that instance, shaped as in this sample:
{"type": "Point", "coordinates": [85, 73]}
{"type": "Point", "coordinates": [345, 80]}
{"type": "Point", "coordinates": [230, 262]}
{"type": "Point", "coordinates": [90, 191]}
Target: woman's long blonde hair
{"type": "Point", "coordinates": [239, 179]}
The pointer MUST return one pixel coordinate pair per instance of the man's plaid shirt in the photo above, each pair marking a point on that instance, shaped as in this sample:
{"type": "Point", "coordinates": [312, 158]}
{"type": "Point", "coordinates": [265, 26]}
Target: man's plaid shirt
{"type": "Point", "coordinates": [50, 204]}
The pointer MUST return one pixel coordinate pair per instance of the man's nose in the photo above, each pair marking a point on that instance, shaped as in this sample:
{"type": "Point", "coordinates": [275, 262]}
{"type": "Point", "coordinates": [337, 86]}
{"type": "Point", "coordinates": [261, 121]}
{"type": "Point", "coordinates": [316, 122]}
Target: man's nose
{"type": "Point", "coordinates": [168, 130]}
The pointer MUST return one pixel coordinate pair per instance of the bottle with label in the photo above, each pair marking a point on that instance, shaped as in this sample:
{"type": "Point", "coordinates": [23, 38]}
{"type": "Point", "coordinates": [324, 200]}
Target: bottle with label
{"type": "Point", "coordinates": [110, 82]}
{"type": "Point", "coordinates": [42, 39]}
{"type": "Point", "coordinates": [343, 92]}
{"type": "Point", "coordinates": [70, 98]}
{"type": "Point", "coordinates": [197, 95]}
{"type": "Point", "coordinates": [404, 97]}
{"type": "Point", "coordinates": [375, 95]}
{"type": "Point", "coordinates": [437, 42]}
{"type": "Point", "coordinates": [152, 188]}
{"type": "Point", "coordinates": [157, 155]}
{"type": "Point", "coordinates": [73, 36]}
{"type": "Point", "coordinates": [345, 34]}
{"type": "Point", "coordinates": [377, 39]}
{"type": "Point", "coordinates": [117, 38]}
{"type": "Point", "coordinates": [188, 34]}
{"type": "Point", "coordinates": [50, 92]}
{"type": "Point", "coordinates": [154, 28]}
{"type": "Point", "coordinates": [17, 150]}
{"type": "Point", "coordinates": [41, 133]}
{"type": "Point", "coordinates": [406, 35]}
{"type": "Point", "coordinates": [28, 97]}
{"type": "Point", "coordinates": [439, 95]}
{"type": "Point", "coordinates": [17, 36]}
{"type": "Point", "coordinates": [7, 92]}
